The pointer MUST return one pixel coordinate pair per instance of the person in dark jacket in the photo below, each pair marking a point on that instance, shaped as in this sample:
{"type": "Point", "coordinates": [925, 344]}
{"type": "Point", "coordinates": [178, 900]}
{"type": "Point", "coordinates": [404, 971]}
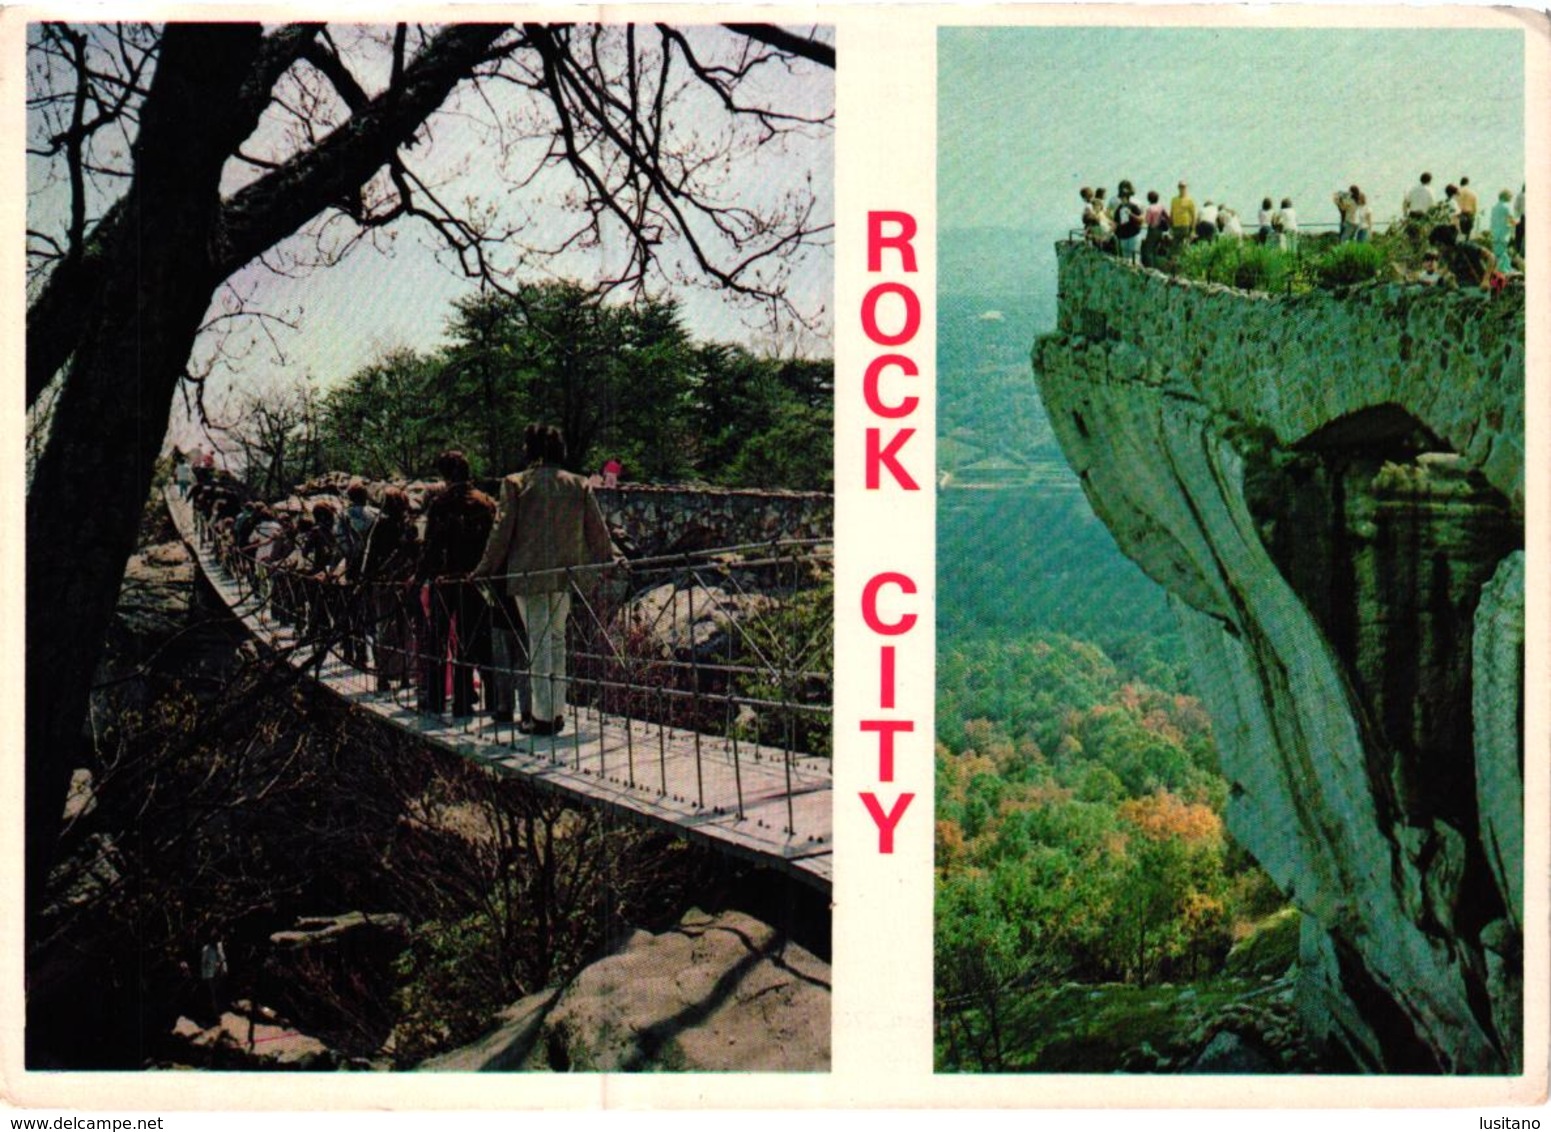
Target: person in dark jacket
{"type": "Point", "coordinates": [387, 568]}
{"type": "Point", "coordinates": [458, 521]}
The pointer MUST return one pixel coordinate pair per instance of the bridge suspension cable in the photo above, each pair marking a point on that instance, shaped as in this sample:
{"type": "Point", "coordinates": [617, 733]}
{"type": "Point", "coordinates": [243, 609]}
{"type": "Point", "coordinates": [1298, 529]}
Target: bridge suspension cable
{"type": "Point", "coordinates": [696, 688]}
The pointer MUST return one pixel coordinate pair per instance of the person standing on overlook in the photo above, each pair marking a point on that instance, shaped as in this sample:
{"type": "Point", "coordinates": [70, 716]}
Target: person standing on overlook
{"type": "Point", "coordinates": [1128, 224]}
{"type": "Point", "coordinates": [1229, 224]}
{"type": "Point", "coordinates": [548, 521]}
{"type": "Point", "coordinates": [1346, 204]}
{"type": "Point", "coordinates": [1182, 216]}
{"type": "Point", "coordinates": [1158, 224]}
{"type": "Point", "coordinates": [1265, 223]}
{"type": "Point", "coordinates": [1362, 217]}
{"type": "Point", "coordinates": [1419, 201]}
{"type": "Point", "coordinates": [1468, 206]}
{"type": "Point", "coordinates": [1286, 222]}
{"type": "Point", "coordinates": [1469, 263]}
{"type": "Point", "coordinates": [1206, 221]}
{"type": "Point", "coordinates": [1503, 225]}
{"type": "Point", "coordinates": [1518, 222]}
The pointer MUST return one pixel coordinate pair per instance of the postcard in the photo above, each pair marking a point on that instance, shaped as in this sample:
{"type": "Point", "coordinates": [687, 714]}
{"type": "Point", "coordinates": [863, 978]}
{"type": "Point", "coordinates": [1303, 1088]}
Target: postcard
{"type": "Point", "coordinates": [776, 558]}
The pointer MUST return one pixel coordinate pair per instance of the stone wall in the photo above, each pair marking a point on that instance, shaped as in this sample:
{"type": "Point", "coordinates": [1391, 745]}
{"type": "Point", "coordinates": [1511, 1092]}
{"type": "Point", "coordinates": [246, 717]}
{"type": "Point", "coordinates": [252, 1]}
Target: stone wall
{"type": "Point", "coordinates": [1327, 484]}
{"type": "Point", "coordinates": [658, 519]}
{"type": "Point", "coordinates": [1292, 364]}
{"type": "Point", "coordinates": [673, 519]}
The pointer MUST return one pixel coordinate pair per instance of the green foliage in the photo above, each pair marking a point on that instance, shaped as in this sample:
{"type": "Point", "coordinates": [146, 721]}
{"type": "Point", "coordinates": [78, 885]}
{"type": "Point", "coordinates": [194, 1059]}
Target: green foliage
{"type": "Point", "coordinates": [1315, 263]}
{"type": "Point", "coordinates": [1349, 263]}
{"type": "Point", "coordinates": [1079, 836]}
{"type": "Point", "coordinates": [378, 423]}
{"type": "Point", "coordinates": [612, 377]}
{"type": "Point", "coordinates": [763, 422]}
{"type": "Point", "coordinates": [1067, 699]}
{"type": "Point", "coordinates": [1244, 264]}
{"type": "Point", "coordinates": [621, 381]}
{"type": "Point", "coordinates": [445, 999]}
{"type": "Point", "coordinates": [1083, 1028]}
{"type": "Point", "coordinates": [1270, 948]}
{"type": "Point", "coordinates": [788, 654]}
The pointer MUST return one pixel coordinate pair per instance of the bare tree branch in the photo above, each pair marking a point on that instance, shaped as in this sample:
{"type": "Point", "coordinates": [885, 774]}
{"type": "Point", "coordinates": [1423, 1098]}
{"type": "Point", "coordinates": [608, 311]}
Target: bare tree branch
{"type": "Point", "coordinates": [782, 40]}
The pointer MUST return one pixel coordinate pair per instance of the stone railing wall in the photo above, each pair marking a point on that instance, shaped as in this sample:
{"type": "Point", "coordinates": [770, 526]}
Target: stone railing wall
{"type": "Point", "coordinates": [658, 519]}
{"type": "Point", "coordinates": [1291, 364]}
{"type": "Point", "coordinates": [672, 519]}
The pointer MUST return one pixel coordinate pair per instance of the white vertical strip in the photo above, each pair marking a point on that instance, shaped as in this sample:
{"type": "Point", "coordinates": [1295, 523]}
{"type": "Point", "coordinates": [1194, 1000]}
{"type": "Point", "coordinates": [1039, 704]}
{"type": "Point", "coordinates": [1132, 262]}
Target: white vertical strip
{"type": "Point", "coordinates": [885, 163]}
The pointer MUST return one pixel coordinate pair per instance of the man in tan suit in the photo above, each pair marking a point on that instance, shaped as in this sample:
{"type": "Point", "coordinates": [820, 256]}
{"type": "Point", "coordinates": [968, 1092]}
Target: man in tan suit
{"type": "Point", "coordinates": [547, 522]}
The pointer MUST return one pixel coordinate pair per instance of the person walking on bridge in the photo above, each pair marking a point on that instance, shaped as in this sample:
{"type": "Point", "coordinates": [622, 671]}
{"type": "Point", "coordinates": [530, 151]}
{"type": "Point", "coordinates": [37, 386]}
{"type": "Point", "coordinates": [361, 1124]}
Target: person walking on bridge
{"type": "Point", "coordinates": [350, 531]}
{"type": "Point", "coordinates": [548, 521]}
{"type": "Point", "coordinates": [457, 523]}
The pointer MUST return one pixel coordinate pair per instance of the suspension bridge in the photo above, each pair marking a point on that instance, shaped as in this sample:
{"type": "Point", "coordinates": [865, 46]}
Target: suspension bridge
{"type": "Point", "coordinates": [698, 685]}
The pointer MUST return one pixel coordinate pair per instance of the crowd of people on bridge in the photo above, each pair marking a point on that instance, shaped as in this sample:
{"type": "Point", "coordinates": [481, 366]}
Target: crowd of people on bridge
{"type": "Point", "coordinates": [1151, 233]}
{"type": "Point", "coordinates": [471, 585]}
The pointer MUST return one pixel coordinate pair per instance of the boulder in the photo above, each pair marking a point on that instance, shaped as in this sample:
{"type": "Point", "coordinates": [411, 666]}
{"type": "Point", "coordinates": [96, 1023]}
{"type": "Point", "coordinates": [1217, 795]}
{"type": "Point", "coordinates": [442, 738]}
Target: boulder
{"type": "Point", "coordinates": [1230, 1053]}
{"type": "Point", "coordinates": [715, 993]}
{"type": "Point", "coordinates": [252, 1039]}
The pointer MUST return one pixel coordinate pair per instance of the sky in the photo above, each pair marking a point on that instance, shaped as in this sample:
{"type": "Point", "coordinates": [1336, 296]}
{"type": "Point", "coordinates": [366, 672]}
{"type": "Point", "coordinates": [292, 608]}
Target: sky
{"type": "Point", "coordinates": [396, 289]}
{"type": "Point", "coordinates": [1027, 116]}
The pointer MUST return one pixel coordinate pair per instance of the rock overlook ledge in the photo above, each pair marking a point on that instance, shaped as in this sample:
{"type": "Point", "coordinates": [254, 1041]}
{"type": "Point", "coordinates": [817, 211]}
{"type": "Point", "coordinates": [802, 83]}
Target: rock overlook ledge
{"type": "Point", "coordinates": [1331, 488]}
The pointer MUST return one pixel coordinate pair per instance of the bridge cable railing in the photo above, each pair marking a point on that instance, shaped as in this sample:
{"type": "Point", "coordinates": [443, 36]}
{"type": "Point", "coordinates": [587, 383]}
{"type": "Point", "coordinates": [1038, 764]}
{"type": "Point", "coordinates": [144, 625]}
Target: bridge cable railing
{"type": "Point", "coordinates": [728, 651]}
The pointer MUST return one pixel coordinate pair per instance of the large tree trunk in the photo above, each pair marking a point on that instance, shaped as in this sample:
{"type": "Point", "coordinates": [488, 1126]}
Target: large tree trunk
{"type": "Point", "coordinates": [273, 207]}
{"type": "Point", "coordinates": [90, 484]}
{"type": "Point", "coordinates": [127, 327]}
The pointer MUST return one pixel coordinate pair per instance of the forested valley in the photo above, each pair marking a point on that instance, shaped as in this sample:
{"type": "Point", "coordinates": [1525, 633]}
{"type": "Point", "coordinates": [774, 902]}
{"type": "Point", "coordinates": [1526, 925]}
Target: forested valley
{"type": "Point", "coordinates": [1093, 913]}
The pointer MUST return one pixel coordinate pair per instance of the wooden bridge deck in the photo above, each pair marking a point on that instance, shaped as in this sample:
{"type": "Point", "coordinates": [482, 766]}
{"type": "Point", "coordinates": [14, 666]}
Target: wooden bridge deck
{"type": "Point", "coordinates": [687, 781]}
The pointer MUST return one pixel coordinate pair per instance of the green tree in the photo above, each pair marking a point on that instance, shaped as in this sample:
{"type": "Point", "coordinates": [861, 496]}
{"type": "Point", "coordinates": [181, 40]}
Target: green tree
{"type": "Point", "coordinates": [375, 422]}
{"type": "Point", "coordinates": [976, 959]}
{"type": "Point", "coordinates": [612, 377]}
{"type": "Point", "coordinates": [762, 422]}
{"type": "Point", "coordinates": [1169, 896]}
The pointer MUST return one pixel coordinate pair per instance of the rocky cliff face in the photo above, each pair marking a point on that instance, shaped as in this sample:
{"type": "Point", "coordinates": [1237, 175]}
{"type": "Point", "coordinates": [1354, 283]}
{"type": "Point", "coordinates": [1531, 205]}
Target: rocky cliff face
{"type": "Point", "coordinates": [1331, 487]}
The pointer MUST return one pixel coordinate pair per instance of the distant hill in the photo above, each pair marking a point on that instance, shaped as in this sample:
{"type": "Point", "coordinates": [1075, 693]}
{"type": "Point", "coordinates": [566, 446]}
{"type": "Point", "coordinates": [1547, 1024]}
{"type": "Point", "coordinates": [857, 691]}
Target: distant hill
{"type": "Point", "coordinates": [997, 261]}
{"type": "Point", "coordinates": [988, 407]}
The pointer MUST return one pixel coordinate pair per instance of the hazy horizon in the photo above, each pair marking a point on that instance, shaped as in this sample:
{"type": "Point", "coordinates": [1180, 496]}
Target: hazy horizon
{"type": "Point", "coordinates": [1027, 116]}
